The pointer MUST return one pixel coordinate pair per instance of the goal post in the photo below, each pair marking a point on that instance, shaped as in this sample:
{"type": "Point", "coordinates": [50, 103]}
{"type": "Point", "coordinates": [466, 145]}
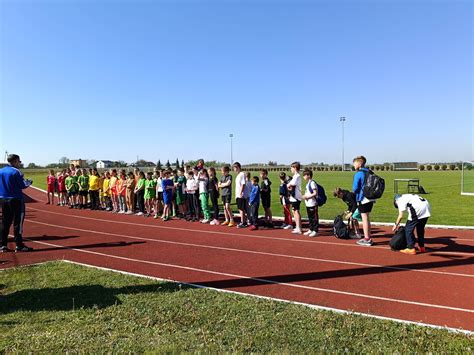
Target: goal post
{"type": "Point", "coordinates": [467, 178]}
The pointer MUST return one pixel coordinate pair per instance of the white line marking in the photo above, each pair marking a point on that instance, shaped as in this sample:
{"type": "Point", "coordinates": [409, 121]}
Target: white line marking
{"type": "Point", "coordinates": [253, 236]}
{"type": "Point", "coordinates": [261, 280]}
{"type": "Point", "coordinates": [336, 310]}
{"type": "Point", "coordinates": [251, 251]}
{"type": "Point", "coordinates": [386, 224]}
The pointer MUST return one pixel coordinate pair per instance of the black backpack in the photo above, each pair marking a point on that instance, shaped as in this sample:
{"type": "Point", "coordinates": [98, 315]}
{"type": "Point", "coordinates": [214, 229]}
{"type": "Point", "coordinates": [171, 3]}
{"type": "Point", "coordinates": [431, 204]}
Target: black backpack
{"type": "Point", "coordinates": [340, 229]}
{"type": "Point", "coordinates": [374, 185]}
{"type": "Point", "coordinates": [399, 241]}
{"type": "Point", "coordinates": [321, 198]}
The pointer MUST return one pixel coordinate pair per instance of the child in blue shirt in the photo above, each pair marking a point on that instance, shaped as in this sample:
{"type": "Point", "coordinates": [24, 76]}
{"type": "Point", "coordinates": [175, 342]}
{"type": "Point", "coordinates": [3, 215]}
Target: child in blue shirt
{"type": "Point", "coordinates": [168, 186]}
{"type": "Point", "coordinates": [364, 205]}
{"type": "Point", "coordinates": [254, 203]}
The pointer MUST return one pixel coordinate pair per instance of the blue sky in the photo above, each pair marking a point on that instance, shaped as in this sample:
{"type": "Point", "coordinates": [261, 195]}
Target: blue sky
{"type": "Point", "coordinates": [166, 79]}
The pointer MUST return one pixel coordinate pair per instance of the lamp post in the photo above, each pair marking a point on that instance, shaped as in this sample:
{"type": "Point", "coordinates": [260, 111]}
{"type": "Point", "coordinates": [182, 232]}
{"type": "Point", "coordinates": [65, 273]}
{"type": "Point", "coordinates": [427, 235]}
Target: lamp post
{"type": "Point", "coordinates": [231, 153]}
{"type": "Point", "coordinates": [342, 119]}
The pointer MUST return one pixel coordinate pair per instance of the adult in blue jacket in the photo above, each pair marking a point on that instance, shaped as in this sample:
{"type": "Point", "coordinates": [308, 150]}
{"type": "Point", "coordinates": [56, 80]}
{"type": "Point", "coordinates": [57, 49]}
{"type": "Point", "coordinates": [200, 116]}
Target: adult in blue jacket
{"type": "Point", "coordinates": [12, 184]}
{"type": "Point", "coordinates": [363, 204]}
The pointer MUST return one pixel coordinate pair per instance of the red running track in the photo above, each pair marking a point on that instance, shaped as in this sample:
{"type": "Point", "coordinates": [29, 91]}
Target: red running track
{"type": "Point", "coordinates": [435, 288]}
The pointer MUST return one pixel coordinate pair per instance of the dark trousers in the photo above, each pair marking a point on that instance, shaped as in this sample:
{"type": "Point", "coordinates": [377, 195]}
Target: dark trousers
{"type": "Point", "coordinates": [313, 218]}
{"type": "Point", "coordinates": [193, 205]}
{"type": "Point", "coordinates": [253, 213]}
{"type": "Point", "coordinates": [13, 211]}
{"type": "Point", "coordinates": [419, 225]}
{"type": "Point", "coordinates": [94, 196]}
{"type": "Point", "coordinates": [140, 198]}
{"type": "Point", "coordinates": [215, 204]}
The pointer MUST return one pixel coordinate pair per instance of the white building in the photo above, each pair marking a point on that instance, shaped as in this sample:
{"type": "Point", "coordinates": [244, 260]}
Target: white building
{"type": "Point", "coordinates": [103, 164]}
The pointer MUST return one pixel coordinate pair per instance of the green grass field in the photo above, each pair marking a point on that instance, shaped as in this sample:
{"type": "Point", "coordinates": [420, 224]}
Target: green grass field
{"type": "Point", "coordinates": [58, 307]}
{"type": "Point", "coordinates": [443, 187]}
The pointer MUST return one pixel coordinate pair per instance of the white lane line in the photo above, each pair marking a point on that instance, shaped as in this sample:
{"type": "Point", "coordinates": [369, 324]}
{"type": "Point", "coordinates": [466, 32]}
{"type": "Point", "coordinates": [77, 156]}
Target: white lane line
{"type": "Point", "coordinates": [253, 236]}
{"type": "Point", "coordinates": [265, 281]}
{"type": "Point", "coordinates": [251, 251]}
{"type": "Point", "coordinates": [312, 306]}
{"type": "Point", "coordinates": [328, 221]}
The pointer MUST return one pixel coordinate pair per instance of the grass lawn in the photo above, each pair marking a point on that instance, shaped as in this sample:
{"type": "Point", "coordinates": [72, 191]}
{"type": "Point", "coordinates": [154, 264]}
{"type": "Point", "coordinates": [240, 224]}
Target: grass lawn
{"type": "Point", "coordinates": [58, 307]}
{"type": "Point", "coordinates": [443, 187]}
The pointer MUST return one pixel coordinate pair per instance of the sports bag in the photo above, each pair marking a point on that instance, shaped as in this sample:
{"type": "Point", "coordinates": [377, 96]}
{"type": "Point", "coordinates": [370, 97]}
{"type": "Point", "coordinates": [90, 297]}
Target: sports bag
{"type": "Point", "coordinates": [340, 229]}
{"type": "Point", "coordinates": [374, 186]}
{"type": "Point", "coordinates": [399, 241]}
{"type": "Point", "coordinates": [321, 198]}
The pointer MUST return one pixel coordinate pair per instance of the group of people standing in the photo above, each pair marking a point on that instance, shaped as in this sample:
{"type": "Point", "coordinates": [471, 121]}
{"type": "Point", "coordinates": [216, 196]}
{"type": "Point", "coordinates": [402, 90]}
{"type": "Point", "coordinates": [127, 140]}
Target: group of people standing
{"type": "Point", "coordinates": [186, 195]}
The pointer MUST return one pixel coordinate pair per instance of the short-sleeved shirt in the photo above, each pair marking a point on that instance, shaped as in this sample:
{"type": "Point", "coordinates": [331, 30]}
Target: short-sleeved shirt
{"type": "Point", "coordinates": [71, 183]}
{"type": "Point", "coordinates": [61, 183]}
{"type": "Point", "coordinates": [51, 180]}
{"type": "Point", "coordinates": [239, 184]}
{"type": "Point", "coordinates": [311, 186]}
{"type": "Point", "coordinates": [226, 191]}
{"type": "Point", "coordinates": [248, 189]}
{"type": "Point", "coordinates": [191, 185]}
{"type": "Point", "coordinates": [140, 184]}
{"type": "Point", "coordinates": [414, 204]}
{"type": "Point", "coordinates": [182, 184]}
{"type": "Point", "coordinates": [296, 183]}
{"type": "Point", "coordinates": [167, 191]}
{"type": "Point", "coordinates": [106, 187]}
{"type": "Point", "coordinates": [265, 189]}
{"type": "Point", "coordinates": [159, 185]}
{"type": "Point", "coordinates": [83, 181]}
{"type": "Point", "coordinates": [130, 184]}
{"type": "Point", "coordinates": [150, 188]}
{"type": "Point", "coordinates": [94, 183]}
{"type": "Point", "coordinates": [203, 184]}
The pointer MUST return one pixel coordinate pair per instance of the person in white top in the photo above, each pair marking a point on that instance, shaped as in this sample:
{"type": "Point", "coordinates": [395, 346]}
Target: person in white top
{"type": "Point", "coordinates": [239, 194]}
{"type": "Point", "coordinates": [193, 202]}
{"type": "Point", "coordinates": [295, 195]}
{"type": "Point", "coordinates": [309, 197]}
{"type": "Point", "coordinates": [419, 211]}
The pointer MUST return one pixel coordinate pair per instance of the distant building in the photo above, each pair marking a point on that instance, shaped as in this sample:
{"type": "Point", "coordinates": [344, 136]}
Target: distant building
{"type": "Point", "coordinates": [79, 162]}
{"type": "Point", "coordinates": [103, 164]}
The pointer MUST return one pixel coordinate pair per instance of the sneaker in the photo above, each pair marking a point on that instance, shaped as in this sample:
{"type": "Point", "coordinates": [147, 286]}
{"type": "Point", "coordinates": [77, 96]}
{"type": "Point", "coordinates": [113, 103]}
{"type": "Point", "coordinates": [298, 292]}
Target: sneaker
{"type": "Point", "coordinates": [313, 234]}
{"type": "Point", "coordinates": [422, 250]}
{"type": "Point", "coordinates": [225, 223]}
{"type": "Point", "coordinates": [4, 250]}
{"type": "Point", "coordinates": [408, 251]}
{"type": "Point", "coordinates": [364, 242]}
{"type": "Point", "coordinates": [231, 224]}
{"type": "Point", "coordinates": [22, 248]}
{"type": "Point", "coordinates": [139, 214]}
{"type": "Point", "coordinates": [283, 226]}
{"type": "Point", "coordinates": [71, 207]}
{"type": "Point", "coordinates": [213, 222]}
{"type": "Point", "coordinates": [204, 221]}
{"type": "Point", "coordinates": [307, 233]}
{"type": "Point", "coordinates": [288, 227]}
{"type": "Point", "coordinates": [156, 216]}
{"type": "Point", "coordinates": [241, 225]}
{"type": "Point", "coordinates": [121, 212]}
{"type": "Point", "coordinates": [253, 228]}
{"type": "Point", "coordinates": [296, 231]}
{"type": "Point", "coordinates": [217, 223]}
{"type": "Point", "coordinates": [129, 212]}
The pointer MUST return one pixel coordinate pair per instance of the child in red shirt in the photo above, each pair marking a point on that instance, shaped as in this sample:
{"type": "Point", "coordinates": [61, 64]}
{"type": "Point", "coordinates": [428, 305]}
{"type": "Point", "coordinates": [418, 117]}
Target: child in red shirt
{"type": "Point", "coordinates": [62, 188]}
{"type": "Point", "coordinates": [51, 181]}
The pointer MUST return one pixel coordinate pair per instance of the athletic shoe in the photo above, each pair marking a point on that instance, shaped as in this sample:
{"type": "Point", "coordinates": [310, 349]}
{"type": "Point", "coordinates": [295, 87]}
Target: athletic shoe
{"type": "Point", "coordinates": [129, 212]}
{"type": "Point", "coordinates": [71, 207]}
{"type": "Point", "coordinates": [22, 248]}
{"type": "Point", "coordinates": [121, 212]}
{"type": "Point", "coordinates": [156, 216]}
{"type": "Point", "coordinates": [204, 221]}
{"type": "Point", "coordinates": [225, 223]}
{"type": "Point", "coordinates": [288, 227]}
{"type": "Point", "coordinates": [313, 234]}
{"type": "Point", "coordinates": [231, 224]}
{"type": "Point", "coordinates": [422, 250]}
{"type": "Point", "coordinates": [296, 231]}
{"type": "Point", "coordinates": [217, 223]}
{"type": "Point", "coordinates": [408, 251]}
{"type": "Point", "coordinates": [213, 222]}
{"type": "Point", "coordinates": [283, 226]}
{"type": "Point", "coordinates": [241, 225]}
{"type": "Point", "coordinates": [253, 228]}
{"type": "Point", "coordinates": [4, 250]}
{"type": "Point", "coordinates": [364, 242]}
{"type": "Point", "coordinates": [139, 214]}
{"type": "Point", "coordinates": [307, 232]}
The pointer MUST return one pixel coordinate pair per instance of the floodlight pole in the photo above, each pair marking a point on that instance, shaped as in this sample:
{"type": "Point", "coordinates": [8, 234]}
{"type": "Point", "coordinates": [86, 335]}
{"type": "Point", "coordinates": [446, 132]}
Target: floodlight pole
{"type": "Point", "coordinates": [231, 152]}
{"type": "Point", "coordinates": [342, 119]}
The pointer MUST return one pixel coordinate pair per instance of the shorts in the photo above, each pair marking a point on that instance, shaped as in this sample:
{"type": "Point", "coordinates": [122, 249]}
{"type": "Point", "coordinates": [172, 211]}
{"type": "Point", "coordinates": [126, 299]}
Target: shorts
{"type": "Point", "coordinates": [159, 196]}
{"type": "Point", "coordinates": [365, 208]}
{"type": "Point", "coordinates": [72, 193]}
{"type": "Point", "coordinates": [63, 191]}
{"type": "Point", "coordinates": [83, 193]}
{"type": "Point", "coordinates": [51, 189]}
{"type": "Point", "coordinates": [296, 205]}
{"type": "Point", "coordinates": [167, 198]}
{"type": "Point", "coordinates": [265, 200]}
{"type": "Point", "coordinates": [226, 199]}
{"type": "Point", "coordinates": [241, 204]}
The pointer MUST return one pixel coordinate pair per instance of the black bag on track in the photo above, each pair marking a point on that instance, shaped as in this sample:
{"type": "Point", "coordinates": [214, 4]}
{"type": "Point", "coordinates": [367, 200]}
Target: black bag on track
{"type": "Point", "coordinates": [340, 229]}
{"type": "Point", "coordinates": [399, 241]}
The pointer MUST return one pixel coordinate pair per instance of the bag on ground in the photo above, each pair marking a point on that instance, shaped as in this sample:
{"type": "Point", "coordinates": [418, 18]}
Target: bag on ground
{"type": "Point", "coordinates": [374, 186]}
{"type": "Point", "coordinates": [340, 229]}
{"type": "Point", "coordinates": [399, 241]}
